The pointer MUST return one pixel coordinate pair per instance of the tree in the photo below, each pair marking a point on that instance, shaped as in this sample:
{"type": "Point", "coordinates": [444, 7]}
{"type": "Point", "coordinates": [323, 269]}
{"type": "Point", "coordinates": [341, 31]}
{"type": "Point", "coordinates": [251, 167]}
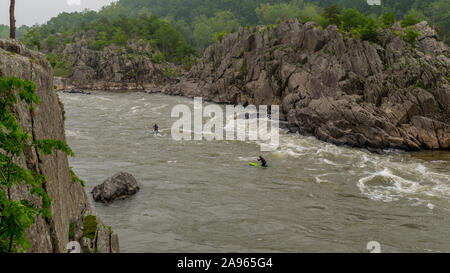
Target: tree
{"type": "Point", "coordinates": [119, 37]}
{"type": "Point", "coordinates": [387, 19]}
{"type": "Point", "coordinates": [369, 31]}
{"type": "Point", "coordinates": [51, 43]}
{"type": "Point", "coordinates": [351, 18]}
{"type": "Point", "coordinates": [12, 20]}
{"type": "Point", "coordinates": [412, 18]}
{"type": "Point", "coordinates": [411, 36]}
{"type": "Point", "coordinates": [203, 32]}
{"type": "Point", "coordinates": [4, 32]}
{"type": "Point", "coordinates": [269, 14]}
{"type": "Point", "coordinates": [332, 14]}
{"type": "Point", "coordinates": [440, 12]}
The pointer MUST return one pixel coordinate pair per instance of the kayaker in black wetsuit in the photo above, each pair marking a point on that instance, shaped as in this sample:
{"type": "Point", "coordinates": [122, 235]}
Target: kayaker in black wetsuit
{"type": "Point", "coordinates": [263, 161]}
{"type": "Point", "coordinates": [156, 128]}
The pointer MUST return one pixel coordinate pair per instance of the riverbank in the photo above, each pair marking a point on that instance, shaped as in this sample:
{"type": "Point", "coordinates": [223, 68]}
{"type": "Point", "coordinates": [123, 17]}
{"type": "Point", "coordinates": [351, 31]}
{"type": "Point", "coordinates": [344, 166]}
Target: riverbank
{"type": "Point", "coordinates": [193, 90]}
{"type": "Point", "coordinates": [388, 95]}
{"type": "Point", "coordinates": [202, 196]}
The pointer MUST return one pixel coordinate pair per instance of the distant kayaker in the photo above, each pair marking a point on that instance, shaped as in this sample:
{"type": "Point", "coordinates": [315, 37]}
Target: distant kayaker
{"type": "Point", "coordinates": [156, 128]}
{"type": "Point", "coordinates": [263, 161]}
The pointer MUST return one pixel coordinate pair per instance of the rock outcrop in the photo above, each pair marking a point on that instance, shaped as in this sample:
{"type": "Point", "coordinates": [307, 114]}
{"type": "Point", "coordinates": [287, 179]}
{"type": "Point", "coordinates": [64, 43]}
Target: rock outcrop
{"type": "Point", "coordinates": [391, 95]}
{"type": "Point", "coordinates": [120, 186]}
{"type": "Point", "coordinates": [114, 68]}
{"type": "Point", "coordinates": [69, 200]}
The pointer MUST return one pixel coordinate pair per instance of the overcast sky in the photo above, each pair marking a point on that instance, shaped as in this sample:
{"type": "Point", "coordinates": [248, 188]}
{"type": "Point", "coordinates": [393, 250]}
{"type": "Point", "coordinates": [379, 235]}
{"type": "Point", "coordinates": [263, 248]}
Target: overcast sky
{"type": "Point", "coordinates": [30, 12]}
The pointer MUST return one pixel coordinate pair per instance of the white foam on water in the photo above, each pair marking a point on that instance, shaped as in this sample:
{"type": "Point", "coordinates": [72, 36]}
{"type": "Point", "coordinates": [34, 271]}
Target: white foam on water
{"type": "Point", "coordinates": [321, 181]}
{"type": "Point", "coordinates": [71, 97]}
{"type": "Point", "coordinates": [391, 188]}
{"type": "Point", "coordinates": [387, 187]}
{"type": "Point", "coordinates": [246, 159]}
{"type": "Point", "coordinates": [103, 98]}
{"type": "Point", "coordinates": [286, 154]}
{"type": "Point", "coordinates": [415, 202]}
{"type": "Point", "coordinates": [77, 134]}
{"type": "Point", "coordinates": [390, 177]}
{"type": "Point", "coordinates": [329, 162]}
{"type": "Point", "coordinates": [156, 109]}
{"type": "Point", "coordinates": [71, 133]}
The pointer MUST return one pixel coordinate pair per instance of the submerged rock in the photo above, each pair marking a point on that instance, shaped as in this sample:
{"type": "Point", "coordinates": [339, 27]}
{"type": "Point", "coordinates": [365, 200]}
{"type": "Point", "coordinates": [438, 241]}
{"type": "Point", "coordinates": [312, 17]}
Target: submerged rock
{"type": "Point", "coordinates": [76, 91]}
{"type": "Point", "coordinates": [120, 186]}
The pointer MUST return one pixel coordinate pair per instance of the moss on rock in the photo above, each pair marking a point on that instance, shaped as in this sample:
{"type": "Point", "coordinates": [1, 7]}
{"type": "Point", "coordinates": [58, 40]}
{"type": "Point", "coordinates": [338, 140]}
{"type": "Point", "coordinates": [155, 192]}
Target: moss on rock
{"type": "Point", "coordinates": [90, 226]}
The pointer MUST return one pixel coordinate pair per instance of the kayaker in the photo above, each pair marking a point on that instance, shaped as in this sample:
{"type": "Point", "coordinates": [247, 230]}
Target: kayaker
{"type": "Point", "coordinates": [263, 161]}
{"type": "Point", "coordinates": [156, 128]}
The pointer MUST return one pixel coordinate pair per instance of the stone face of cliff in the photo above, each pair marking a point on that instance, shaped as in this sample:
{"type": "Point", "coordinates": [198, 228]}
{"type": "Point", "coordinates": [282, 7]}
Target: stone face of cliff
{"type": "Point", "coordinates": [114, 67]}
{"type": "Point", "coordinates": [328, 84]}
{"type": "Point", "coordinates": [69, 200]}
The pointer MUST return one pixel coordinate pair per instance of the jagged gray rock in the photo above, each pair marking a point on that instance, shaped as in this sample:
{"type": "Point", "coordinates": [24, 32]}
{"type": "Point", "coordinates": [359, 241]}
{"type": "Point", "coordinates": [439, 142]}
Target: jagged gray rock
{"type": "Point", "coordinates": [120, 186]}
{"type": "Point", "coordinates": [391, 95]}
{"type": "Point", "coordinates": [114, 67]}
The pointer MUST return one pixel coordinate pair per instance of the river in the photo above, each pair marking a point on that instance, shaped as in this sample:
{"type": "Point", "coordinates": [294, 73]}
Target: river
{"type": "Point", "coordinates": [202, 196]}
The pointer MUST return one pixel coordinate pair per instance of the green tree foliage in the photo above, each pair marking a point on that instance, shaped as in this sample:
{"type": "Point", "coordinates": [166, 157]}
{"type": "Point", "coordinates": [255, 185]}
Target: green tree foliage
{"type": "Point", "coordinates": [4, 32]}
{"type": "Point", "coordinates": [199, 21]}
{"type": "Point", "coordinates": [369, 31]}
{"type": "Point", "coordinates": [119, 38]}
{"type": "Point", "coordinates": [332, 15]}
{"type": "Point", "coordinates": [158, 58]}
{"type": "Point", "coordinates": [16, 216]}
{"type": "Point", "coordinates": [270, 14]}
{"type": "Point", "coordinates": [353, 19]}
{"type": "Point", "coordinates": [220, 36]}
{"type": "Point", "coordinates": [436, 12]}
{"type": "Point", "coordinates": [387, 19]}
{"type": "Point", "coordinates": [411, 36]}
{"type": "Point", "coordinates": [62, 65]}
{"type": "Point", "coordinates": [205, 29]}
{"type": "Point", "coordinates": [439, 13]}
{"type": "Point", "coordinates": [76, 179]}
{"type": "Point", "coordinates": [203, 33]}
{"type": "Point", "coordinates": [410, 19]}
{"type": "Point", "coordinates": [103, 31]}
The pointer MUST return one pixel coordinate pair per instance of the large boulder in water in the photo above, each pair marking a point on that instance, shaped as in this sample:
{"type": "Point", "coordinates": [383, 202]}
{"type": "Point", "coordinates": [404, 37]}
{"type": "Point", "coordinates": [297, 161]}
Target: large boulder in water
{"type": "Point", "coordinates": [120, 186]}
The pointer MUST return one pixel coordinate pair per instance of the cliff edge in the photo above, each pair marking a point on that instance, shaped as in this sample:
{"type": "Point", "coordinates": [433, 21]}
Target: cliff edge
{"type": "Point", "coordinates": [70, 206]}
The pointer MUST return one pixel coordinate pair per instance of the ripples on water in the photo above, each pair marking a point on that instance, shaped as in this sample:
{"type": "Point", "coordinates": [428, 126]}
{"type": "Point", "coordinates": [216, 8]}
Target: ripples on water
{"type": "Point", "coordinates": [202, 196]}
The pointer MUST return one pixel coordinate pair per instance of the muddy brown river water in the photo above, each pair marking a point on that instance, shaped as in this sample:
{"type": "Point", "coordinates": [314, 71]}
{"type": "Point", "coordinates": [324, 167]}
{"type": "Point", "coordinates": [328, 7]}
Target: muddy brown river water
{"type": "Point", "coordinates": [202, 196]}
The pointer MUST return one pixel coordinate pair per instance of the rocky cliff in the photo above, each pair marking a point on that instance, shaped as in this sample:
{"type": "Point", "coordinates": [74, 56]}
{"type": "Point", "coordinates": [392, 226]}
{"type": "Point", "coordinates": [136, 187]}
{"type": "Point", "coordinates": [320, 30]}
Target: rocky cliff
{"type": "Point", "coordinates": [394, 94]}
{"type": "Point", "coordinates": [70, 205]}
{"type": "Point", "coordinates": [137, 65]}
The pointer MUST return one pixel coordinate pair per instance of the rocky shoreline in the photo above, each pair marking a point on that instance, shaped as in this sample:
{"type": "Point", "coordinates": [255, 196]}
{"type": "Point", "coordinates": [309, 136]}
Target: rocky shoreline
{"type": "Point", "coordinates": [392, 95]}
